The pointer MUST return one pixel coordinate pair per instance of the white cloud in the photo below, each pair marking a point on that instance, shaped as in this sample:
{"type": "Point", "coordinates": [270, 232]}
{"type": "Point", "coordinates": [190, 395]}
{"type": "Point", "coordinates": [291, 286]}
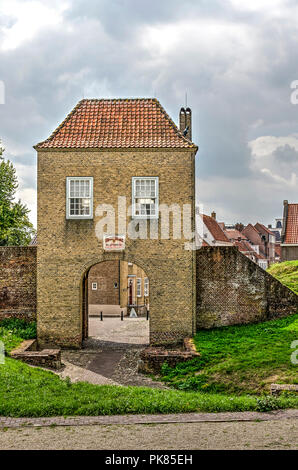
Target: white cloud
{"type": "Point", "coordinates": [276, 158]}
{"type": "Point", "coordinates": [28, 196]}
{"type": "Point", "coordinates": [29, 19]}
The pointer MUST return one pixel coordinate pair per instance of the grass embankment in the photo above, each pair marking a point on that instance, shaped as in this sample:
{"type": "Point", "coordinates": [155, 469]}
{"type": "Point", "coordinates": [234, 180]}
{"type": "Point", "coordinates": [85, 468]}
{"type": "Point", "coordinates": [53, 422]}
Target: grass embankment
{"type": "Point", "coordinates": [240, 359]}
{"type": "Point", "coordinates": [13, 331]}
{"type": "Point", "coordinates": [287, 273]}
{"type": "Point", "coordinates": [33, 392]}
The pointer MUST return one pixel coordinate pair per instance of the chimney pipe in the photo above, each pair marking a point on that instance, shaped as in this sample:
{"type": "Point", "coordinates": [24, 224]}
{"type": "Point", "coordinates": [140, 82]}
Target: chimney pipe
{"type": "Point", "coordinates": [213, 215]}
{"type": "Point", "coordinates": [188, 122]}
{"type": "Point", "coordinates": [182, 120]}
{"type": "Point", "coordinates": [185, 122]}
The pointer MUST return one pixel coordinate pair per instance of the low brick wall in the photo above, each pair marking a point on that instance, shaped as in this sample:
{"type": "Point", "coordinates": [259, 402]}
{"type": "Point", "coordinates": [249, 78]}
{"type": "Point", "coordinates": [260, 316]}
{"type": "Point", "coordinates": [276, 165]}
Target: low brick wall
{"type": "Point", "coordinates": [18, 282]}
{"type": "Point", "coordinates": [232, 290]}
{"type": "Point", "coordinates": [27, 352]}
{"type": "Point", "coordinates": [152, 358]}
{"type": "Point", "coordinates": [277, 389]}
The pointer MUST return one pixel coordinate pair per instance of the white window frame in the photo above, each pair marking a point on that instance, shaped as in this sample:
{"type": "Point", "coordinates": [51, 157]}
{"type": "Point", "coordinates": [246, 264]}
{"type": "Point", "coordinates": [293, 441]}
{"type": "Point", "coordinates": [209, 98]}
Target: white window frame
{"type": "Point", "coordinates": [146, 287]}
{"type": "Point", "coordinates": [133, 192]}
{"type": "Point", "coordinates": [68, 198]}
{"type": "Point", "coordinates": [94, 285]}
{"type": "Point", "coordinates": [139, 287]}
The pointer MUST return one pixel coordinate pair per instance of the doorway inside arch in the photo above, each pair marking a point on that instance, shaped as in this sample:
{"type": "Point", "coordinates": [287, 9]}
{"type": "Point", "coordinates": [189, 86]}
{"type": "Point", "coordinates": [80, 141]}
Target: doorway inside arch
{"type": "Point", "coordinates": [116, 306]}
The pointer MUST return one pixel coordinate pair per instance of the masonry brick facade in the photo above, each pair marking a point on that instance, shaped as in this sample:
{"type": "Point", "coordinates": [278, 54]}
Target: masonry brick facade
{"type": "Point", "coordinates": [18, 282]}
{"type": "Point", "coordinates": [68, 248]}
{"type": "Point", "coordinates": [232, 289]}
{"type": "Point", "coordinates": [106, 276]}
{"type": "Point", "coordinates": [116, 288]}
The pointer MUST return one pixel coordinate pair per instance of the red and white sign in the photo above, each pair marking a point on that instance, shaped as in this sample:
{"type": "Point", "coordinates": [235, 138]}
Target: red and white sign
{"type": "Point", "coordinates": [114, 242]}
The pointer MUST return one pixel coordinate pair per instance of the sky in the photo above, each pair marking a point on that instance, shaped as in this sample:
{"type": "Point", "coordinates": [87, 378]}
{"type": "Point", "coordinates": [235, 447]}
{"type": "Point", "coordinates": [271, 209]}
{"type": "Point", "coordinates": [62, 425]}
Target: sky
{"type": "Point", "coordinates": [235, 60]}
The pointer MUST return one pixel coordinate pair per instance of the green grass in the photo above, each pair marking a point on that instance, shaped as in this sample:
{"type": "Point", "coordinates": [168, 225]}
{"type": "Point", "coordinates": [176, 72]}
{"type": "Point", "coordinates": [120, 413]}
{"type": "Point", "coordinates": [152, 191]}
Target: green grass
{"type": "Point", "coordinates": [33, 392]}
{"type": "Point", "coordinates": [287, 273]}
{"type": "Point", "coordinates": [13, 331]}
{"type": "Point", "coordinates": [239, 359]}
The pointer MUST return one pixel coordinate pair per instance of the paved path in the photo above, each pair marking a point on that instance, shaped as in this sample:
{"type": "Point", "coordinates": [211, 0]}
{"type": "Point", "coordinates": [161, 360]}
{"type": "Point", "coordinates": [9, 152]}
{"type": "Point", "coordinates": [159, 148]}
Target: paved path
{"type": "Point", "coordinates": [129, 331]}
{"type": "Point", "coordinates": [274, 434]}
{"type": "Point", "coordinates": [81, 374]}
{"type": "Point", "coordinates": [149, 419]}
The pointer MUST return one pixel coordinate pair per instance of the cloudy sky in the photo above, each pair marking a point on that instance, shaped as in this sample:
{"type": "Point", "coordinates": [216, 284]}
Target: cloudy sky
{"type": "Point", "coordinates": [236, 60]}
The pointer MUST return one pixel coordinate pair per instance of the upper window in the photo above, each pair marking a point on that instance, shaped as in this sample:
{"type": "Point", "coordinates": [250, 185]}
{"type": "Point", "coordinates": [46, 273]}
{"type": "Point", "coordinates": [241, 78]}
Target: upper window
{"type": "Point", "coordinates": [79, 197]}
{"type": "Point", "coordinates": [146, 287]}
{"type": "Point", "coordinates": [139, 287]}
{"type": "Point", "coordinates": [145, 197]}
{"type": "Point", "coordinates": [94, 285]}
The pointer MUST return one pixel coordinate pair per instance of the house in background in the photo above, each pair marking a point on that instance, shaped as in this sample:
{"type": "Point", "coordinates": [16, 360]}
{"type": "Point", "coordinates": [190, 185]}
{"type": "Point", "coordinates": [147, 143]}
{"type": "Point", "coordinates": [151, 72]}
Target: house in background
{"type": "Point", "coordinates": [289, 235]}
{"type": "Point", "coordinates": [209, 232]}
{"type": "Point", "coordinates": [250, 243]}
{"type": "Point", "coordinates": [262, 240]}
{"type": "Point", "coordinates": [117, 286]}
{"type": "Point", "coordinates": [276, 230]}
{"type": "Point", "coordinates": [269, 242]}
{"type": "Point", "coordinates": [251, 251]}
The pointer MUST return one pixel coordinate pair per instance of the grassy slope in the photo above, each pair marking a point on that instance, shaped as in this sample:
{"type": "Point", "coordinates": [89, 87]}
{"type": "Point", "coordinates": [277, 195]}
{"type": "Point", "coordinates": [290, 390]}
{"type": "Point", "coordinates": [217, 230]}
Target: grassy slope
{"type": "Point", "coordinates": [240, 359]}
{"type": "Point", "coordinates": [287, 273]}
{"type": "Point", "coordinates": [26, 391]}
{"type": "Point", "coordinates": [13, 331]}
{"type": "Point", "coordinates": [30, 392]}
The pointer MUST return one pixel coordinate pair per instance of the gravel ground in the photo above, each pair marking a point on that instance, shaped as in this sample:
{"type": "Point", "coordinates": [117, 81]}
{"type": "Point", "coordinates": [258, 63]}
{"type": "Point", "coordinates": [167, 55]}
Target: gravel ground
{"type": "Point", "coordinates": [269, 435]}
{"type": "Point", "coordinates": [117, 364]}
{"type": "Point", "coordinates": [126, 372]}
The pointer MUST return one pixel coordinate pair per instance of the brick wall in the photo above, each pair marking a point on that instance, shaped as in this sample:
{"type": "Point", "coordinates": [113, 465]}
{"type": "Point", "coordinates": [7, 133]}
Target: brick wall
{"type": "Point", "coordinates": [105, 274]}
{"type": "Point", "coordinates": [289, 253]}
{"type": "Point", "coordinates": [231, 290]}
{"type": "Point", "coordinates": [68, 248]}
{"type": "Point", "coordinates": [18, 282]}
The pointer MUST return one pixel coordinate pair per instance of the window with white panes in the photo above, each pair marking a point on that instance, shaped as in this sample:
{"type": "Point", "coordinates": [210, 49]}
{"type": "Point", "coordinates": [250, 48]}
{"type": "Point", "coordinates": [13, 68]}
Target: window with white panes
{"type": "Point", "coordinates": [94, 285]}
{"type": "Point", "coordinates": [145, 197]}
{"type": "Point", "coordinates": [146, 287]}
{"type": "Point", "coordinates": [139, 287]}
{"type": "Point", "coordinates": [79, 193]}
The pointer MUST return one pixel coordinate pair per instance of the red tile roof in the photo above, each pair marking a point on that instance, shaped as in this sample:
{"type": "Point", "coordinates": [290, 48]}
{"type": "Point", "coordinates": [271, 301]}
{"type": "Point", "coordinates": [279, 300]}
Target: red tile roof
{"type": "Point", "coordinates": [234, 234]}
{"type": "Point", "coordinates": [291, 235]}
{"type": "Point", "coordinates": [261, 227]}
{"type": "Point", "coordinates": [244, 246]}
{"type": "Point", "coordinates": [214, 229]}
{"type": "Point", "coordinates": [117, 123]}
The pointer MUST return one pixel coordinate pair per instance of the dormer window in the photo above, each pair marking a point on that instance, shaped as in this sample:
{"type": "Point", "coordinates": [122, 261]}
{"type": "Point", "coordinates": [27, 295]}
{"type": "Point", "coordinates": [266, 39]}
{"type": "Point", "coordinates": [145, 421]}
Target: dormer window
{"type": "Point", "coordinates": [145, 197]}
{"type": "Point", "coordinates": [79, 197]}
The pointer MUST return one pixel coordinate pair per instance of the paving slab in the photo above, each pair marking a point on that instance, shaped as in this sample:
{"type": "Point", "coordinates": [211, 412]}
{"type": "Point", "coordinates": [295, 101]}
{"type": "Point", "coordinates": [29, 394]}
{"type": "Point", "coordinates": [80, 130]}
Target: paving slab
{"type": "Point", "coordinates": [8, 422]}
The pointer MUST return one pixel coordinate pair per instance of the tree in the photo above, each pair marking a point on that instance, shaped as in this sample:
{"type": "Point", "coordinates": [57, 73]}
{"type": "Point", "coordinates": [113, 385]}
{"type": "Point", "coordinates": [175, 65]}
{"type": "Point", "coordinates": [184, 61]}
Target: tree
{"type": "Point", "coordinates": [15, 226]}
{"type": "Point", "coordinates": [239, 226]}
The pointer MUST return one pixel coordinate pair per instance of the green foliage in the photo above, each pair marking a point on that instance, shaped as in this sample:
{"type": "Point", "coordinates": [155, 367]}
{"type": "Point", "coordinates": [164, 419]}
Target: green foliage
{"type": "Point", "coordinates": [13, 331]}
{"type": "Point", "coordinates": [239, 359]}
{"type": "Point", "coordinates": [267, 403]}
{"type": "Point", "coordinates": [15, 226]}
{"type": "Point", "coordinates": [287, 273]}
{"type": "Point", "coordinates": [32, 392]}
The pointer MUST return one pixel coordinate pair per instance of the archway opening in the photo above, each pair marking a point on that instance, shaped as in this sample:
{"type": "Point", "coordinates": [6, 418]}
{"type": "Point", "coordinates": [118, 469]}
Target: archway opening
{"type": "Point", "coordinates": [116, 306]}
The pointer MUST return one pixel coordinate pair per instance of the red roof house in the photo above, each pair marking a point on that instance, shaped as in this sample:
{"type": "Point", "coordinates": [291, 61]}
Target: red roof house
{"type": "Point", "coordinates": [289, 234]}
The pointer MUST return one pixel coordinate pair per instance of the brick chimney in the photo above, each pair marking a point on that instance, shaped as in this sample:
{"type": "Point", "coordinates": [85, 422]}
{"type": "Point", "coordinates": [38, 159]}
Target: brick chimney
{"type": "Point", "coordinates": [185, 122]}
{"type": "Point", "coordinates": [213, 215]}
{"type": "Point", "coordinates": [188, 122]}
{"type": "Point", "coordinates": [182, 120]}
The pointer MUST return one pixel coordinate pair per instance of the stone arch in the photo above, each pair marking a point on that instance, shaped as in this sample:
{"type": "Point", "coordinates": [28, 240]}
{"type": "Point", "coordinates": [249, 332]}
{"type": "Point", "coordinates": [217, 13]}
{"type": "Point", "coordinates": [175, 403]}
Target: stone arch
{"type": "Point", "coordinates": [83, 283]}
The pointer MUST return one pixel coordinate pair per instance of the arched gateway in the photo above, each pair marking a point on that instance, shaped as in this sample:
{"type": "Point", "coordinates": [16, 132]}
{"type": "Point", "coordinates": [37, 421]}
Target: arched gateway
{"type": "Point", "coordinates": [115, 182]}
